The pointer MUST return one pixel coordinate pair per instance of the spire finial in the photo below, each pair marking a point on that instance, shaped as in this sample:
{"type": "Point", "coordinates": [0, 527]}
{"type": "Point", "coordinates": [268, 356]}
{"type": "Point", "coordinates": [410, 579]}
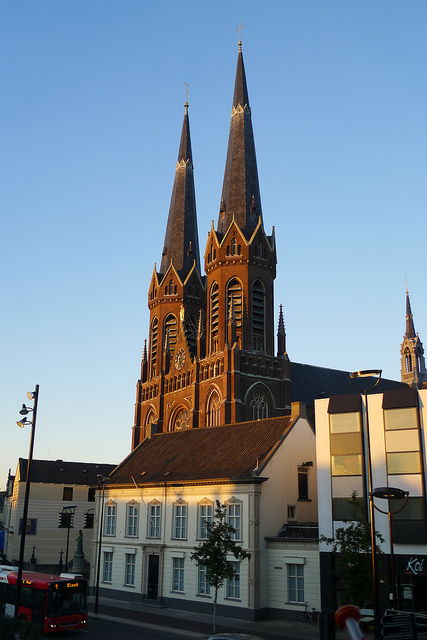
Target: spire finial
{"type": "Point", "coordinates": [240, 35]}
{"type": "Point", "coordinates": [186, 96]}
{"type": "Point", "coordinates": [406, 283]}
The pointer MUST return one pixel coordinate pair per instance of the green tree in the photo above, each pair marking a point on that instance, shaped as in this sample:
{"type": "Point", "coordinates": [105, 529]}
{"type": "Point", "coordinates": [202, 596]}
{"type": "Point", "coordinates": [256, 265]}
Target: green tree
{"type": "Point", "coordinates": [352, 545]}
{"type": "Point", "coordinates": [212, 553]}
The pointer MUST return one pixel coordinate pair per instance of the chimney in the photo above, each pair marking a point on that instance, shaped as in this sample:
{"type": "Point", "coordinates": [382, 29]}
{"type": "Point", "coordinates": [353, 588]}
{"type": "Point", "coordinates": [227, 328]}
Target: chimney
{"type": "Point", "coordinates": [299, 409]}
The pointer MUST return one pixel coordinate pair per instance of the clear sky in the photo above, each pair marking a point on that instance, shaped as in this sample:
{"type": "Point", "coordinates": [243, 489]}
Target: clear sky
{"type": "Point", "coordinates": [91, 103]}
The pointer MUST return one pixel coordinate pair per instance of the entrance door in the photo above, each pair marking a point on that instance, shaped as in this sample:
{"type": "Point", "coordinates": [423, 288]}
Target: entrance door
{"type": "Point", "coordinates": [153, 577]}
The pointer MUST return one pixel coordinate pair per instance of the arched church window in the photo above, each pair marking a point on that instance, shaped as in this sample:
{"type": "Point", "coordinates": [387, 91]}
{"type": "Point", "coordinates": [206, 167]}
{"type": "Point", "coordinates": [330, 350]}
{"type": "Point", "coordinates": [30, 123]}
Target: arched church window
{"type": "Point", "coordinates": [258, 316]}
{"type": "Point", "coordinates": [213, 410]}
{"type": "Point", "coordinates": [170, 287]}
{"type": "Point", "coordinates": [408, 361]}
{"type": "Point", "coordinates": [233, 247]}
{"type": "Point", "coordinates": [153, 347]}
{"type": "Point", "coordinates": [418, 357]}
{"type": "Point", "coordinates": [213, 324]}
{"type": "Point", "coordinates": [170, 328]}
{"type": "Point", "coordinates": [259, 406]}
{"type": "Point", "coordinates": [234, 298]}
{"type": "Point", "coordinates": [181, 421]}
{"type": "Point", "coordinates": [150, 418]}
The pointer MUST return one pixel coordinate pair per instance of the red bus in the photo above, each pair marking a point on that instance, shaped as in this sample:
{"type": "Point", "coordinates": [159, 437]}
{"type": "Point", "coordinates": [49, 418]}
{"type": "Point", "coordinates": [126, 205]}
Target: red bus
{"type": "Point", "coordinates": [56, 602]}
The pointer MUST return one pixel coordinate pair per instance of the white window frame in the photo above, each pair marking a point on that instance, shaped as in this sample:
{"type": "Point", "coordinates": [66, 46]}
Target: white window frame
{"type": "Point", "coordinates": [234, 517]}
{"type": "Point", "coordinates": [203, 507]}
{"type": "Point", "coordinates": [295, 571]}
{"type": "Point", "coordinates": [179, 521]}
{"type": "Point", "coordinates": [130, 568]}
{"type": "Point", "coordinates": [132, 520]}
{"type": "Point", "coordinates": [154, 520]}
{"type": "Point", "coordinates": [233, 584]}
{"type": "Point", "coordinates": [110, 519]}
{"type": "Point", "coordinates": [178, 575]}
{"type": "Point", "coordinates": [107, 566]}
{"type": "Point", "coordinates": [203, 587]}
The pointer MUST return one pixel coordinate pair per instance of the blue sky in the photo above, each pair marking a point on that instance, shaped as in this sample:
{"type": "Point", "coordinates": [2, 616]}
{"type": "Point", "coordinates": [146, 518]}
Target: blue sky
{"type": "Point", "coordinates": [91, 113]}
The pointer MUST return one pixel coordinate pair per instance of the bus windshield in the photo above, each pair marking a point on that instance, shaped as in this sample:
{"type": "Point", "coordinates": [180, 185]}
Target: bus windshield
{"type": "Point", "coordinates": [67, 602]}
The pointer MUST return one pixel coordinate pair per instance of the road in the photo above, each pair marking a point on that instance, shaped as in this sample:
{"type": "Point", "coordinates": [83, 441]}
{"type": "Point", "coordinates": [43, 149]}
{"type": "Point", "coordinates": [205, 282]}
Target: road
{"type": "Point", "coordinates": [106, 630]}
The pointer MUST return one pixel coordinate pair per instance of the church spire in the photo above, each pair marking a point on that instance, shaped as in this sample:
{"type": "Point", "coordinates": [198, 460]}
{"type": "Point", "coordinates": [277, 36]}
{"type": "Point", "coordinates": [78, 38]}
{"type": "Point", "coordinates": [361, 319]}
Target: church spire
{"type": "Point", "coordinates": [181, 246]}
{"type": "Point", "coordinates": [240, 187]}
{"type": "Point", "coordinates": [410, 329]}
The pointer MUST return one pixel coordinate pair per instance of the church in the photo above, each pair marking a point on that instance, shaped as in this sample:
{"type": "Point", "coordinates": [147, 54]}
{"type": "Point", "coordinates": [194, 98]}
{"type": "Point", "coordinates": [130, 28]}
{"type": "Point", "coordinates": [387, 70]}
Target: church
{"type": "Point", "coordinates": [211, 357]}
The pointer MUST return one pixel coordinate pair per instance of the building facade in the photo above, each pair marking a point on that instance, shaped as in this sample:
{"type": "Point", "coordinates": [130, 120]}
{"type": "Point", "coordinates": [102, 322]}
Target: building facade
{"type": "Point", "coordinates": [56, 486]}
{"type": "Point", "coordinates": [397, 423]}
{"type": "Point", "coordinates": [158, 501]}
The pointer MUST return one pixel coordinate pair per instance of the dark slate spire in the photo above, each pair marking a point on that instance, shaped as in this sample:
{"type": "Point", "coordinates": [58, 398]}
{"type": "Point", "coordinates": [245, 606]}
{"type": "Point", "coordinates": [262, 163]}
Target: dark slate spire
{"type": "Point", "coordinates": [410, 329]}
{"type": "Point", "coordinates": [240, 187]}
{"type": "Point", "coordinates": [281, 335]}
{"type": "Point", "coordinates": [181, 245]}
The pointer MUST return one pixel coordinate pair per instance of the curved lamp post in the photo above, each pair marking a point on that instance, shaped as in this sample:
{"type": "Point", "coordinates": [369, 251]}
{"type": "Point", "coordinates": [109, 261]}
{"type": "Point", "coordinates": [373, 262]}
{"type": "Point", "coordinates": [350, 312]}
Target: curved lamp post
{"type": "Point", "coordinates": [31, 395]}
{"type": "Point", "coordinates": [391, 493]}
{"type": "Point", "coordinates": [365, 375]}
{"type": "Point", "coordinates": [66, 521]}
{"type": "Point", "coordinates": [102, 481]}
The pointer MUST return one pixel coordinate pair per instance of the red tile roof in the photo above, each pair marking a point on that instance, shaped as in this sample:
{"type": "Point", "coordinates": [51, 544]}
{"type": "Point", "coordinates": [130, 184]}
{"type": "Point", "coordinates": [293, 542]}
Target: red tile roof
{"type": "Point", "coordinates": [216, 453]}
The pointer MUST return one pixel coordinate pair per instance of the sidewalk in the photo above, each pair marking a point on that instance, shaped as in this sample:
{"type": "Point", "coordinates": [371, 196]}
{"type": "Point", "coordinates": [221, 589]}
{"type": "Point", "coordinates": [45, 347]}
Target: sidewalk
{"type": "Point", "coordinates": [199, 626]}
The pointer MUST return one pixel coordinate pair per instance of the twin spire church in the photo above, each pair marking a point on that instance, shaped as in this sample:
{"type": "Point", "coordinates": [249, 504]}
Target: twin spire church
{"type": "Point", "coordinates": [211, 358]}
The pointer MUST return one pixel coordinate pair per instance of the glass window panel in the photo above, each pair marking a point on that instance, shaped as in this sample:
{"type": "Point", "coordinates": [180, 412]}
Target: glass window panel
{"type": "Point", "coordinates": [342, 508]}
{"type": "Point", "coordinates": [346, 465]}
{"type": "Point", "coordinates": [344, 443]}
{"type": "Point", "coordinates": [344, 422]}
{"type": "Point", "coordinates": [400, 418]}
{"type": "Point", "coordinates": [296, 582]}
{"type": "Point", "coordinates": [413, 510]}
{"type": "Point", "coordinates": [404, 462]}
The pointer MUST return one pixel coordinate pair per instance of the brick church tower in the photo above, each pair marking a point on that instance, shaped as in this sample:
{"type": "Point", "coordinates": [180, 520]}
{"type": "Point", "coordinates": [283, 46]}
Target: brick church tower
{"type": "Point", "coordinates": [210, 359]}
{"type": "Point", "coordinates": [413, 365]}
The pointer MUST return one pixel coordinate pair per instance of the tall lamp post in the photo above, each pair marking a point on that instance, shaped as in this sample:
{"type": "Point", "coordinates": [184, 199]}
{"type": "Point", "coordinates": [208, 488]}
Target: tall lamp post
{"type": "Point", "coordinates": [31, 395]}
{"type": "Point", "coordinates": [102, 481]}
{"type": "Point", "coordinates": [66, 520]}
{"type": "Point", "coordinates": [391, 493]}
{"type": "Point", "coordinates": [369, 374]}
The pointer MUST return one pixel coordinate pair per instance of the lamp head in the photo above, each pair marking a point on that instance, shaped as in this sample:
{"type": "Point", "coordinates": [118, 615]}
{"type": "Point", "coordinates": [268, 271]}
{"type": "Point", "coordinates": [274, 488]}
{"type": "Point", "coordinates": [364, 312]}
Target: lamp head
{"type": "Point", "coordinates": [389, 493]}
{"type": "Point", "coordinates": [24, 422]}
{"type": "Point", "coordinates": [25, 410]}
{"type": "Point", "coordinates": [366, 373]}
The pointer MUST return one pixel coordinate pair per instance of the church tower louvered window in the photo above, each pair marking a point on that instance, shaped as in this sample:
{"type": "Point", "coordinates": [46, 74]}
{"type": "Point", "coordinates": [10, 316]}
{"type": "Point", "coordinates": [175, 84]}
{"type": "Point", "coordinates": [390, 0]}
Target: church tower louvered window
{"type": "Point", "coordinates": [234, 300]}
{"type": "Point", "coordinates": [170, 332]}
{"type": "Point", "coordinates": [154, 336]}
{"type": "Point", "coordinates": [214, 309]}
{"type": "Point", "coordinates": [258, 316]}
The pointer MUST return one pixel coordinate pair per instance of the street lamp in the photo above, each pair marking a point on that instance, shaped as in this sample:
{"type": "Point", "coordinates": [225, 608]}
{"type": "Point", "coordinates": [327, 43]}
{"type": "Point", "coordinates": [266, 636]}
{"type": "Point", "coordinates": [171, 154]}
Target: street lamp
{"type": "Point", "coordinates": [102, 481]}
{"type": "Point", "coordinates": [368, 374]}
{"type": "Point", "coordinates": [391, 493]}
{"type": "Point", "coordinates": [31, 395]}
{"type": "Point", "coordinates": [66, 520]}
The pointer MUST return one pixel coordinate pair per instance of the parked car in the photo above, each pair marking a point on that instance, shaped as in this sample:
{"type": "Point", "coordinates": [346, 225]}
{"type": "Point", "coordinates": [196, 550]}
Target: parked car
{"type": "Point", "coordinates": [234, 636]}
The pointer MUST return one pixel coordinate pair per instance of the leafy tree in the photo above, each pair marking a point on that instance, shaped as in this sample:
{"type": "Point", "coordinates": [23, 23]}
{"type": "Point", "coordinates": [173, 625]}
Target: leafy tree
{"type": "Point", "coordinates": [352, 544]}
{"type": "Point", "coordinates": [212, 553]}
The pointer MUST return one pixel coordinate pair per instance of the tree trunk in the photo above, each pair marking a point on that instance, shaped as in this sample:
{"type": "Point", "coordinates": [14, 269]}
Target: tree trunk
{"type": "Point", "coordinates": [214, 614]}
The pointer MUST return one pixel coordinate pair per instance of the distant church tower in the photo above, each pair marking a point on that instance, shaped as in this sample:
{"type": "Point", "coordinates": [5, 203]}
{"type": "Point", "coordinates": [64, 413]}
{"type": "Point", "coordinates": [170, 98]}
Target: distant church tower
{"type": "Point", "coordinates": [210, 359]}
{"type": "Point", "coordinates": [413, 366]}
